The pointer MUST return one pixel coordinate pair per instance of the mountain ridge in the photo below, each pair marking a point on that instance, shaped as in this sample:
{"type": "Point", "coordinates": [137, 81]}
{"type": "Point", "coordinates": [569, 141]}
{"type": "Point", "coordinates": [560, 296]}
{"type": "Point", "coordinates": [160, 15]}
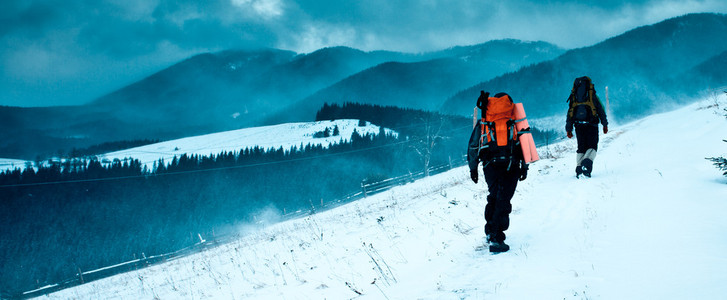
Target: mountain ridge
{"type": "Point", "coordinates": [208, 92]}
{"type": "Point", "coordinates": [636, 65]}
{"type": "Point", "coordinates": [424, 84]}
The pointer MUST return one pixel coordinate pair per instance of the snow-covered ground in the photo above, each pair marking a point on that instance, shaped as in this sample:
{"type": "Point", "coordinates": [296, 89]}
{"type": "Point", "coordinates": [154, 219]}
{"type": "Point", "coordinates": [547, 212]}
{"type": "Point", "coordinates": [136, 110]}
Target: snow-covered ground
{"type": "Point", "coordinates": [266, 137]}
{"type": "Point", "coordinates": [648, 225]}
{"type": "Point", "coordinates": [554, 123]}
{"type": "Point", "coordinates": [10, 164]}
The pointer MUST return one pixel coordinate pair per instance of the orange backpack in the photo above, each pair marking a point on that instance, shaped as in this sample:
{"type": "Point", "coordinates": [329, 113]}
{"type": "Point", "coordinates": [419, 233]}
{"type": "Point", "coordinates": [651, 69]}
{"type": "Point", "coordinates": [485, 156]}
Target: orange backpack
{"type": "Point", "coordinates": [498, 125]}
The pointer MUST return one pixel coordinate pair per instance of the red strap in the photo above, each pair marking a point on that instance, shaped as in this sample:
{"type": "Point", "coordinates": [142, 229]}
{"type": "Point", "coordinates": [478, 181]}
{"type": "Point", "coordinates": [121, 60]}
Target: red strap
{"type": "Point", "coordinates": [482, 132]}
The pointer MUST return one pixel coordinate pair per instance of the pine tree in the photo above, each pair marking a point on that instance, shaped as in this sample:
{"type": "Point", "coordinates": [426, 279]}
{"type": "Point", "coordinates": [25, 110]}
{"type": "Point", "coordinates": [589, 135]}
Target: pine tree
{"type": "Point", "coordinates": [720, 163]}
{"type": "Point", "coordinates": [336, 131]}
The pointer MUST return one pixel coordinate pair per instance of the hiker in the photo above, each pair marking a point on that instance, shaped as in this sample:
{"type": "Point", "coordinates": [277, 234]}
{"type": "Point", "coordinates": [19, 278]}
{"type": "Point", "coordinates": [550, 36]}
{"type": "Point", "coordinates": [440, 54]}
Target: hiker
{"type": "Point", "coordinates": [584, 113]}
{"type": "Point", "coordinates": [494, 143]}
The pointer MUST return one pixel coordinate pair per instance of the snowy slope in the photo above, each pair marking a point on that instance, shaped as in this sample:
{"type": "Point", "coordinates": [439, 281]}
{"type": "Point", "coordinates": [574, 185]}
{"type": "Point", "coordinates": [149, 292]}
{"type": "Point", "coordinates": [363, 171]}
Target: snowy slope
{"type": "Point", "coordinates": [266, 137]}
{"type": "Point", "coordinates": [648, 225]}
{"type": "Point", "coordinates": [10, 164]}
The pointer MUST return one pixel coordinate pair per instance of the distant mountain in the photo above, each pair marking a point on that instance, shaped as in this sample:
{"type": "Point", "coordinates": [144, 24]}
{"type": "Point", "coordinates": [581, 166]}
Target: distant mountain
{"type": "Point", "coordinates": [213, 92]}
{"type": "Point", "coordinates": [306, 74]}
{"type": "Point", "coordinates": [34, 133]}
{"type": "Point", "coordinates": [233, 89]}
{"type": "Point", "coordinates": [421, 85]}
{"type": "Point", "coordinates": [640, 68]}
{"type": "Point", "coordinates": [206, 93]}
{"type": "Point", "coordinates": [711, 74]}
{"type": "Point", "coordinates": [426, 84]}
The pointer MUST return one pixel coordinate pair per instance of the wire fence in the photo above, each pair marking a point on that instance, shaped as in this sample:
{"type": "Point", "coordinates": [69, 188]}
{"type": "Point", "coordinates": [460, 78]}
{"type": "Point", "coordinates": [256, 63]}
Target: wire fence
{"type": "Point", "coordinates": [367, 189]}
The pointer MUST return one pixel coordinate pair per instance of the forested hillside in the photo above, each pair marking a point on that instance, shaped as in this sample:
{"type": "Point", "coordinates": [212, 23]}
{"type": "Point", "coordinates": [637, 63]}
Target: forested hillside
{"type": "Point", "coordinates": [83, 214]}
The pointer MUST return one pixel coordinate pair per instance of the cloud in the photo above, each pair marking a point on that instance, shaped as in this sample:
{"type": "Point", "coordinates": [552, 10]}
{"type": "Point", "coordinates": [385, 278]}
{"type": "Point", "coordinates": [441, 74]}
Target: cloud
{"type": "Point", "coordinates": [266, 9]}
{"type": "Point", "coordinates": [70, 52]}
{"type": "Point", "coordinates": [409, 25]}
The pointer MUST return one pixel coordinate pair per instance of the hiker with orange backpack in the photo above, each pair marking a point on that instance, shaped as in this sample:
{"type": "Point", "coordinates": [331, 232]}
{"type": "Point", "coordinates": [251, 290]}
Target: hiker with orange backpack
{"type": "Point", "coordinates": [496, 143]}
{"type": "Point", "coordinates": [584, 113]}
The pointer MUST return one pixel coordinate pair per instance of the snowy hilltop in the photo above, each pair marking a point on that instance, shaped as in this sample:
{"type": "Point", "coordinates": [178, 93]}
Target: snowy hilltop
{"type": "Point", "coordinates": [266, 138]}
{"type": "Point", "coordinates": [648, 225]}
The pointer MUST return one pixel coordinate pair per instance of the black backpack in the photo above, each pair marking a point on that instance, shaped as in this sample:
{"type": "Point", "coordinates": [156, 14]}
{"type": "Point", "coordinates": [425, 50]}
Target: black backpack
{"type": "Point", "coordinates": [581, 105]}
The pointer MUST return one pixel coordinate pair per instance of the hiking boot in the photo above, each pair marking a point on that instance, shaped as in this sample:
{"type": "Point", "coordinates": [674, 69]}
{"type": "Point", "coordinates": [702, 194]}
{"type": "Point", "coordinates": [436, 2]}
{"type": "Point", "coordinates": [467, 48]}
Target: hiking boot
{"type": "Point", "coordinates": [587, 167]}
{"type": "Point", "coordinates": [497, 247]}
{"type": "Point", "coordinates": [579, 171]}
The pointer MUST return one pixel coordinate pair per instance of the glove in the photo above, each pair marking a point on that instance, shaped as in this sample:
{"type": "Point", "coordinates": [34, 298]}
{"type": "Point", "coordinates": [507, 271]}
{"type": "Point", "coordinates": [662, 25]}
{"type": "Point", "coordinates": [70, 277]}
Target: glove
{"type": "Point", "coordinates": [474, 175]}
{"type": "Point", "coordinates": [523, 173]}
{"type": "Point", "coordinates": [570, 134]}
{"type": "Point", "coordinates": [605, 129]}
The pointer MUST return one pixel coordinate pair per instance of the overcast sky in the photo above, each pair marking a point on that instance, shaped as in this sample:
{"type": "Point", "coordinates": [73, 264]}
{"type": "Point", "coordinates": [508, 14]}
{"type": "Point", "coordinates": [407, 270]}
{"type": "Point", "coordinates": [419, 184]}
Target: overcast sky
{"type": "Point", "coordinates": [66, 52]}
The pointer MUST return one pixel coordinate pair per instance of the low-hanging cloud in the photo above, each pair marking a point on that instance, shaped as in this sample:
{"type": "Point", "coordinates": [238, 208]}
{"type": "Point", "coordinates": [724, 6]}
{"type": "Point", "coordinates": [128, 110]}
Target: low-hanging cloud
{"type": "Point", "coordinates": [69, 52]}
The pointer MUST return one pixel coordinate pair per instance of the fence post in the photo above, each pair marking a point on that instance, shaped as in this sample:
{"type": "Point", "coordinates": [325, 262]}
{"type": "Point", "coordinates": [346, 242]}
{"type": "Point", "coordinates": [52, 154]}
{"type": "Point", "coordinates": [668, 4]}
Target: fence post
{"type": "Point", "coordinates": [608, 105]}
{"type": "Point", "coordinates": [80, 274]}
{"type": "Point", "coordinates": [474, 118]}
{"type": "Point", "coordinates": [363, 187]}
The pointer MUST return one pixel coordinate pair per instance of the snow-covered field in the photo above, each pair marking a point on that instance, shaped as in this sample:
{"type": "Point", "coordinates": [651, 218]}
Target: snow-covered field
{"type": "Point", "coordinates": [554, 123]}
{"type": "Point", "coordinates": [10, 164]}
{"type": "Point", "coordinates": [648, 225]}
{"type": "Point", "coordinates": [266, 137]}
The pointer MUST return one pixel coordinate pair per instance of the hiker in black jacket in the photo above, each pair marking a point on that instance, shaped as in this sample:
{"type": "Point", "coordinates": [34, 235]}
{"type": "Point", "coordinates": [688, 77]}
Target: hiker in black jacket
{"type": "Point", "coordinates": [584, 113]}
{"type": "Point", "coordinates": [502, 172]}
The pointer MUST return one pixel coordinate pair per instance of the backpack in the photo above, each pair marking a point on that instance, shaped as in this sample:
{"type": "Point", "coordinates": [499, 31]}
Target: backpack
{"type": "Point", "coordinates": [581, 106]}
{"type": "Point", "coordinates": [497, 129]}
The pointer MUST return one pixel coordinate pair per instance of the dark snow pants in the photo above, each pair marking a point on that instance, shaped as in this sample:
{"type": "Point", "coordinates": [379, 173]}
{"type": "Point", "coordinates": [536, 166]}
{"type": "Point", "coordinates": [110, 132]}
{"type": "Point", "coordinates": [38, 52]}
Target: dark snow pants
{"type": "Point", "coordinates": [587, 136]}
{"type": "Point", "coordinates": [501, 184]}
